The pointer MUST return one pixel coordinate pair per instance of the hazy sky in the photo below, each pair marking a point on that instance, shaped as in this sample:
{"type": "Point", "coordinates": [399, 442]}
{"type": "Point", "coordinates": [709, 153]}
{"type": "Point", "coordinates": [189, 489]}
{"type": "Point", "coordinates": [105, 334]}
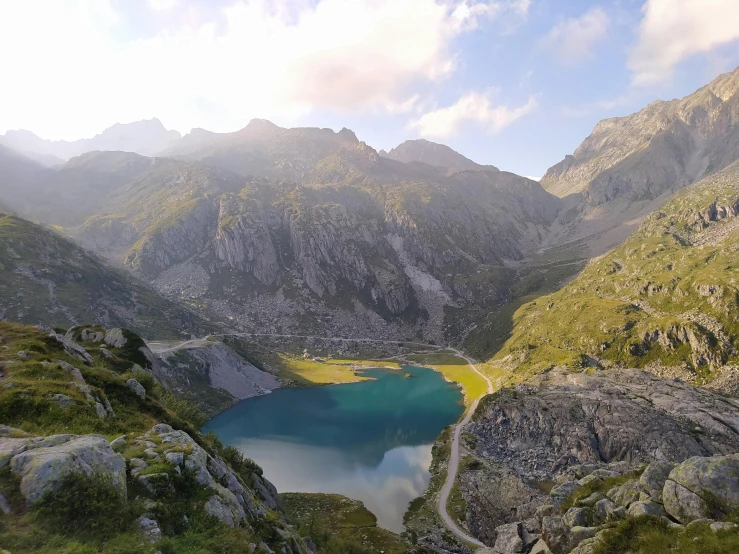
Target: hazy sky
{"type": "Point", "coordinates": [514, 83]}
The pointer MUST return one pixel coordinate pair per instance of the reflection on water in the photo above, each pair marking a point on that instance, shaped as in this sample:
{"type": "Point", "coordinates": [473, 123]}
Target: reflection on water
{"type": "Point", "coordinates": [370, 441]}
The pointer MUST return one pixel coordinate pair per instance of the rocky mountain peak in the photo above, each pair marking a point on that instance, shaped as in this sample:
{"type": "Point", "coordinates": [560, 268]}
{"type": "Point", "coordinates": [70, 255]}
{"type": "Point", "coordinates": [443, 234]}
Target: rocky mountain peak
{"type": "Point", "coordinates": [431, 153]}
{"type": "Point", "coordinates": [664, 146]}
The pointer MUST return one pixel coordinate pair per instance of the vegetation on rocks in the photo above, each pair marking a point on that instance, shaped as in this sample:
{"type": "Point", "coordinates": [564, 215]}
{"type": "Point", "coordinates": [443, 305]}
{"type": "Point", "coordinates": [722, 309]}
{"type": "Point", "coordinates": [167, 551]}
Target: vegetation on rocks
{"type": "Point", "coordinates": [158, 485]}
{"type": "Point", "coordinates": [665, 300]}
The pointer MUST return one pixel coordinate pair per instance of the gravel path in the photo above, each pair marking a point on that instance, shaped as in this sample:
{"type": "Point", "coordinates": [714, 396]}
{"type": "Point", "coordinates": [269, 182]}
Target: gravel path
{"type": "Point", "coordinates": [453, 466]}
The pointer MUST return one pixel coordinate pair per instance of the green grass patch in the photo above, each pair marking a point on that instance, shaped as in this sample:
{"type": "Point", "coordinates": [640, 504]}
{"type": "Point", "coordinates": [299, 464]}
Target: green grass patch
{"type": "Point", "coordinates": [339, 524]}
{"type": "Point", "coordinates": [652, 535]}
{"type": "Point", "coordinates": [454, 369]}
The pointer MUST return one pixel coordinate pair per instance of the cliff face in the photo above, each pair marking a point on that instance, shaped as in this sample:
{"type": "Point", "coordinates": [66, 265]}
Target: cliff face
{"type": "Point", "coordinates": [629, 166]}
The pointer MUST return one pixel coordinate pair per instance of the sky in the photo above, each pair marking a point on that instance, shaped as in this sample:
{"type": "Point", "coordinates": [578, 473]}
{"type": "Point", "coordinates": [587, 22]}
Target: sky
{"type": "Point", "coordinates": [513, 83]}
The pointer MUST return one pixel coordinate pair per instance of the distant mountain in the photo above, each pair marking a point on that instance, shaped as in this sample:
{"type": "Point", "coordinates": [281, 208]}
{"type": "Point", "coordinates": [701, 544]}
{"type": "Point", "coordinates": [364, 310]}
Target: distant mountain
{"type": "Point", "coordinates": [262, 149]}
{"type": "Point", "coordinates": [143, 137]}
{"type": "Point", "coordinates": [432, 153]}
{"type": "Point", "coordinates": [665, 146]}
{"type": "Point", "coordinates": [630, 165]}
{"type": "Point", "coordinates": [315, 231]}
{"type": "Point", "coordinates": [47, 279]}
{"type": "Point", "coordinates": [18, 174]}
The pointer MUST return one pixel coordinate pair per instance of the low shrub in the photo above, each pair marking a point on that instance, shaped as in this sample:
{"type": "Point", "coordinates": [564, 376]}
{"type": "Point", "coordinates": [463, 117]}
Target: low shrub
{"type": "Point", "coordinates": [84, 505]}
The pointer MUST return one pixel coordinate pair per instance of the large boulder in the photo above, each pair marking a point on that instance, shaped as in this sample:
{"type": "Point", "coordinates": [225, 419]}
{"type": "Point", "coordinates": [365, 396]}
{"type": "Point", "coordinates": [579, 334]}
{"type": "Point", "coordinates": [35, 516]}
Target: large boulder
{"type": "Point", "coordinates": [508, 539]}
{"type": "Point", "coordinates": [702, 488]}
{"type": "Point", "coordinates": [44, 463]}
{"type": "Point", "coordinates": [654, 477]}
{"type": "Point", "coordinates": [114, 337]}
{"type": "Point", "coordinates": [137, 388]}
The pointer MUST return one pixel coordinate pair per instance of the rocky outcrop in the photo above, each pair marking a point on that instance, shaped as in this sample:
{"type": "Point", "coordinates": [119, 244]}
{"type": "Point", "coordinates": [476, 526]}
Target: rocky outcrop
{"type": "Point", "coordinates": [581, 430]}
{"type": "Point", "coordinates": [588, 499]}
{"type": "Point", "coordinates": [42, 463]}
{"type": "Point", "coordinates": [234, 499]}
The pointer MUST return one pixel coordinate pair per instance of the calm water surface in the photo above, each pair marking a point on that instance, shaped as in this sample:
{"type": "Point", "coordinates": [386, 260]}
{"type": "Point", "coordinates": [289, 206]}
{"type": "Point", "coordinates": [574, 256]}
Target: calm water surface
{"type": "Point", "coordinates": [370, 440]}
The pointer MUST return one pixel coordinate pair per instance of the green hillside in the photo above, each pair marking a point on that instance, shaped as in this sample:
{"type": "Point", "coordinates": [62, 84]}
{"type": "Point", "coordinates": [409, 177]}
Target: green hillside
{"type": "Point", "coordinates": [667, 299]}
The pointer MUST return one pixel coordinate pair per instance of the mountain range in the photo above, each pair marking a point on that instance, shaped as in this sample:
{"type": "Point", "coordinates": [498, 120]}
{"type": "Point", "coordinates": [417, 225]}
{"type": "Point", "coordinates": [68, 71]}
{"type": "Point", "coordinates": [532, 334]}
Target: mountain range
{"type": "Point", "coordinates": [144, 137]}
{"type": "Point", "coordinates": [602, 292]}
{"type": "Point", "coordinates": [285, 229]}
{"type": "Point", "coordinates": [303, 227]}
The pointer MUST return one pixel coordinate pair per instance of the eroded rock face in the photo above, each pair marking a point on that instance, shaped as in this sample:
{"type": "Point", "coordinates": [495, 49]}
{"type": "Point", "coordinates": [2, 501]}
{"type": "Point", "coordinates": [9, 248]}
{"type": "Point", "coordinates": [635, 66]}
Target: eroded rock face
{"type": "Point", "coordinates": [42, 463]}
{"type": "Point", "coordinates": [574, 418]}
{"type": "Point", "coordinates": [580, 429]}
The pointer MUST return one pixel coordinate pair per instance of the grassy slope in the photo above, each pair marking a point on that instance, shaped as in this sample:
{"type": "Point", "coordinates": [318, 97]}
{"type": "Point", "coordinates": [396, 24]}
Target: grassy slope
{"type": "Point", "coordinates": [45, 278]}
{"type": "Point", "coordinates": [287, 361]}
{"type": "Point", "coordinates": [27, 382]}
{"type": "Point", "coordinates": [455, 369]}
{"type": "Point", "coordinates": [316, 514]}
{"type": "Point", "coordinates": [676, 272]}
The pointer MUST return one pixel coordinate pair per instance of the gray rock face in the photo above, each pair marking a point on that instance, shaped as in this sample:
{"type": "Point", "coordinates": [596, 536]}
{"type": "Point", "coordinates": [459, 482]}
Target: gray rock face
{"type": "Point", "coordinates": [601, 417]}
{"type": "Point", "coordinates": [663, 147]}
{"type": "Point", "coordinates": [5, 505]}
{"type": "Point", "coordinates": [137, 388]}
{"type": "Point", "coordinates": [63, 400]}
{"type": "Point", "coordinates": [702, 488]}
{"type": "Point", "coordinates": [43, 463]}
{"type": "Point", "coordinates": [150, 528]}
{"type": "Point", "coordinates": [576, 517]}
{"type": "Point", "coordinates": [72, 348]}
{"type": "Point", "coordinates": [119, 443]}
{"type": "Point", "coordinates": [226, 508]}
{"type": "Point", "coordinates": [218, 366]}
{"type": "Point", "coordinates": [648, 508]}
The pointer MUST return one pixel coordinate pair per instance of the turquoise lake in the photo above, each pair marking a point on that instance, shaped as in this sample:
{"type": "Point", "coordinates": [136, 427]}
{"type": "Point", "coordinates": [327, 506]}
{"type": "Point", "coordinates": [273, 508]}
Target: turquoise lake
{"type": "Point", "coordinates": [369, 440]}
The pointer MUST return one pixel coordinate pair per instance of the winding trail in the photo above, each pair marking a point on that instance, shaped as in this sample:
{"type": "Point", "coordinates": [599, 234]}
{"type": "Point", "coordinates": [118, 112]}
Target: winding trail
{"type": "Point", "coordinates": [453, 465]}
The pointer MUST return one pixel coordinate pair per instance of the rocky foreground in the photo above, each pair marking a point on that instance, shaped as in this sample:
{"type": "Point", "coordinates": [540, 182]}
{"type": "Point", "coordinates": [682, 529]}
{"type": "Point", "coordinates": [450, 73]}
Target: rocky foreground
{"type": "Point", "coordinates": [150, 466]}
{"type": "Point", "coordinates": [570, 461]}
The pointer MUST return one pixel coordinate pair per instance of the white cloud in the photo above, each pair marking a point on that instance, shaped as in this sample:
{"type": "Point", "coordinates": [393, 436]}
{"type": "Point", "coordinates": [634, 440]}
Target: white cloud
{"type": "Point", "coordinates": [474, 107]}
{"type": "Point", "coordinates": [70, 73]}
{"type": "Point", "coordinates": [572, 40]}
{"type": "Point", "coordinates": [162, 5]}
{"type": "Point", "coordinates": [672, 30]}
